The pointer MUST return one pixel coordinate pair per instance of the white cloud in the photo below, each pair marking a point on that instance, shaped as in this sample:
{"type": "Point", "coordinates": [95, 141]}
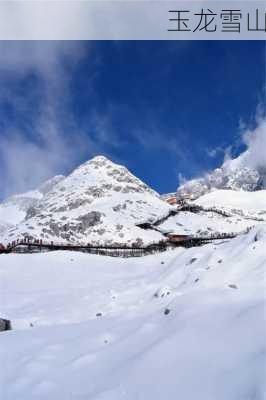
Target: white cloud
{"type": "Point", "coordinates": [214, 152]}
{"type": "Point", "coordinates": [255, 140]}
{"type": "Point", "coordinates": [50, 141]}
{"type": "Point", "coordinates": [254, 156]}
{"type": "Point", "coordinates": [181, 179]}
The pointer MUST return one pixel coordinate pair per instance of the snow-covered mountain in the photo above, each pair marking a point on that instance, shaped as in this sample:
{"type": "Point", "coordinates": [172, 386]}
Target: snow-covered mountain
{"type": "Point", "coordinates": [171, 325]}
{"type": "Point", "coordinates": [99, 202]}
{"type": "Point", "coordinates": [14, 209]}
{"type": "Point", "coordinates": [235, 174]}
{"type": "Point", "coordinates": [48, 185]}
{"type": "Point", "coordinates": [219, 211]}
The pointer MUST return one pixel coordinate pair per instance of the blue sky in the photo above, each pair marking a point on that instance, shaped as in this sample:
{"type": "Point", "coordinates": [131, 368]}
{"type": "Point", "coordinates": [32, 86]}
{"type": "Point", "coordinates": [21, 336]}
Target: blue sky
{"type": "Point", "coordinates": [164, 109]}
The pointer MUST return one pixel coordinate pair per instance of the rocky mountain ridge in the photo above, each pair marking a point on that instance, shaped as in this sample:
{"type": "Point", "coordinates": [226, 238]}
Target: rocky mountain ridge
{"type": "Point", "coordinates": [236, 174]}
{"type": "Point", "coordinates": [103, 203]}
{"type": "Point", "coordinates": [99, 202]}
{"type": "Point", "coordinates": [14, 209]}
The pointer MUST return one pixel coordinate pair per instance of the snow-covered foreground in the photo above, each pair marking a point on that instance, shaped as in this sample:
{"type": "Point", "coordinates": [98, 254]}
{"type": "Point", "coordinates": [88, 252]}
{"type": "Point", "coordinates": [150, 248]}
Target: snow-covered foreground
{"type": "Point", "coordinates": [188, 324]}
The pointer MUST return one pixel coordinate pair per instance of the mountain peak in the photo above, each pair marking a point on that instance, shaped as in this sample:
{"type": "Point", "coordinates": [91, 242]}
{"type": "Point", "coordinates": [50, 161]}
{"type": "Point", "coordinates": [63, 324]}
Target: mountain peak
{"type": "Point", "coordinates": [100, 158]}
{"type": "Point", "coordinates": [99, 202]}
{"type": "Point", "coordinates": [96, 163]}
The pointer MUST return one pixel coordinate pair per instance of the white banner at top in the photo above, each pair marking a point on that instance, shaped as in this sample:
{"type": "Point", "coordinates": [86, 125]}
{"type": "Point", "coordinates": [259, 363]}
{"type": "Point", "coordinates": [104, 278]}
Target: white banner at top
{"type": "Point", "coordinates": [132, 20]}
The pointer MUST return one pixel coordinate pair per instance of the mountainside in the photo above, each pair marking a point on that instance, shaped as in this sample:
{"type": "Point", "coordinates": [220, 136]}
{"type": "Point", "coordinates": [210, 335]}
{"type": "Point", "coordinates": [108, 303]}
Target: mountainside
{"type": "Point", "coordinates": [238, 202]}
{"type": "Point", "coordinates": [236, 174]}
{"type": "Point", "coordinates": [219, 211]}
{"type": "Point", "coordinates": [14, 209]}
{"type": "Point", "coordinates": [99, 202]}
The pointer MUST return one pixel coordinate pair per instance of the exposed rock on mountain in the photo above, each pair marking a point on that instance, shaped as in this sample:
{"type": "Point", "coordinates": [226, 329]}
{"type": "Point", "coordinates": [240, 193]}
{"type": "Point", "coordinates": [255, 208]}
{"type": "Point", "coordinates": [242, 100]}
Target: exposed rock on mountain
{"type": "Point", "coordinates": [14, 209]}
{"type": "Point", "coordinates": [99, 202]}
{"type": "Point", "coordinates": [236, 174]}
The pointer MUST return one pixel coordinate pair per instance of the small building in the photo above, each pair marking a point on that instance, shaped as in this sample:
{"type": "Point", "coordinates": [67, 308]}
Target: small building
{"type": "Point", "coordinates": [173, 237]}
{"type": "Point", "coordinates": [171, 200]}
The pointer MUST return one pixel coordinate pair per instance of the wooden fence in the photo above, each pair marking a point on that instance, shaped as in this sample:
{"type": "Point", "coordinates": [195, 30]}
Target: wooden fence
{"type": "Point", "coordinates": [35, 246]}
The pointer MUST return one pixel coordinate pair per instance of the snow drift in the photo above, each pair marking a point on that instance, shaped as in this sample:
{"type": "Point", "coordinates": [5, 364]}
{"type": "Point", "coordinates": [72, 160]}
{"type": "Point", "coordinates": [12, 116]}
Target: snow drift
{"type": "Point", "coordinates": [89, 327]}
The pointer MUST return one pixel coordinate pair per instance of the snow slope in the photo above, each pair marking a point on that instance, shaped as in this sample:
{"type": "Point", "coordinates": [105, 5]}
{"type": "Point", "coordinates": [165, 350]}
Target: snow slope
{"type": "Point", "coordinates": [14, 209]}
{"type": "Point", "coordinates": [206, 223]}
{"type": "Point", "coordinates": [210, 345]}
{"type": "Point", "coordinates": [250, 202]}
{"type": "Point", "coordinates": [243, 209]}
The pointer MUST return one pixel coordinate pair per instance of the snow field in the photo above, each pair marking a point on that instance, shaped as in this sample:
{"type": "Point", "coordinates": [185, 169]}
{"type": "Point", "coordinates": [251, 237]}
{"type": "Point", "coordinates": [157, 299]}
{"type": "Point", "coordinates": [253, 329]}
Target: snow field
{"type": "Point", "coordinates": [100, 331]}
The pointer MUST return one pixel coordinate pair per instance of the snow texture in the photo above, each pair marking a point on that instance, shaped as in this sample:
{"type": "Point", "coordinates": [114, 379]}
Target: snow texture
{"type": "Point", "coordinates": [188, 323]}
{"type": "Point", "coordinates": [14, 209]}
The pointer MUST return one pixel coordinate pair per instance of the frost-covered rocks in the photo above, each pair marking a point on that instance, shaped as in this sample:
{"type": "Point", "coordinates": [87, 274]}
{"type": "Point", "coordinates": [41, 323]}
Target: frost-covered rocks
{"type": "Point", "coordinates": [237, 179]}
{"type": "Point", "coordinates": [100, 202]}
{"type": "Point", "coordinates": [192, 189]}
{"type": "Point", "coordinates": [241, 173]}
{"type": "Point", "coordinates": [245, 179]}
{"type": "Point", "coordinates": [14, 209]}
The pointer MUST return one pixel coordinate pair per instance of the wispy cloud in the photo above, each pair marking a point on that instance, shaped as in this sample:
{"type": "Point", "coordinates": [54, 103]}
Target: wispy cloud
{"type": "Point", "coordinates": [254, 154]}
{"type": "Point", "coordinates": [214, 152]}
{"type": "Point", "coordinates": [255, 141]}
{"type": "Point", "coordinates": [41, 137]}
{"type": "Point", "coordinates": [252, 138]}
